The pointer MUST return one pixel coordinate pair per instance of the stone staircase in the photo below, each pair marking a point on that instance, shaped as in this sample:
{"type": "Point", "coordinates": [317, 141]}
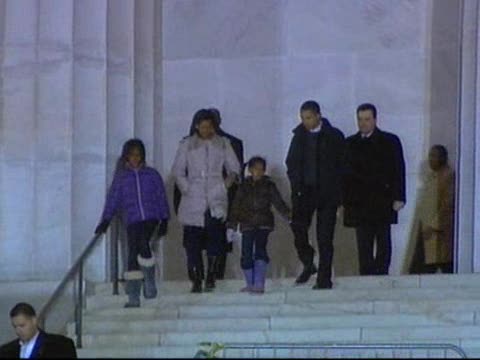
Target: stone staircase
{"type": "Point", "coordinates": [379, 309]}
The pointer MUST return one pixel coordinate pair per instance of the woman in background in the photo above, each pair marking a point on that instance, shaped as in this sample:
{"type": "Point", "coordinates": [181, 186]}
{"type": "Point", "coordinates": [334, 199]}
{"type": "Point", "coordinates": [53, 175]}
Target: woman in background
{"type": "Point", "coordinates": [434, 243]}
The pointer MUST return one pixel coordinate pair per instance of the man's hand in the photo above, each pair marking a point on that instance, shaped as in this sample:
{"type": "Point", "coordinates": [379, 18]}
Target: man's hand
{"type": "Point", "coordinates": [398, 205]}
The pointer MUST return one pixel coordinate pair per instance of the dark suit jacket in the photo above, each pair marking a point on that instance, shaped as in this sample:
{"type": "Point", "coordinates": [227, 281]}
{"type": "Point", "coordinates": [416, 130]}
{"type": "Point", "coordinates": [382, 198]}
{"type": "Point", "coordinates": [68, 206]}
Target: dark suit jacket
{"type": "Point", "coordinates": [47, 346]}
{"type": "Point", "coordinates": [374, 178]}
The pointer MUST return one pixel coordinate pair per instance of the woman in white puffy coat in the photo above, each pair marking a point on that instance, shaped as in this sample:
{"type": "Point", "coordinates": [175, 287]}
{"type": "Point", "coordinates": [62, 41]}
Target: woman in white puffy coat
{"type": "Point", "coordinates": [198, 171]}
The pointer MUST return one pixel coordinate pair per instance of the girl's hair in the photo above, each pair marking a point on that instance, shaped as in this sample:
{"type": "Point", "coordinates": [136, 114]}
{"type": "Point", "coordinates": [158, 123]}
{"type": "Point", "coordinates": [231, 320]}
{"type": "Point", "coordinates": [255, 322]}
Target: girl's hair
{"type": "Point", "coordinates": [442, 152]}
{"type": "Point", "coordinates": [257, 160]}
{"type": "Point", "coordinates": [127, 147]}
{"type": "Point", "coordinates": [202, 115]}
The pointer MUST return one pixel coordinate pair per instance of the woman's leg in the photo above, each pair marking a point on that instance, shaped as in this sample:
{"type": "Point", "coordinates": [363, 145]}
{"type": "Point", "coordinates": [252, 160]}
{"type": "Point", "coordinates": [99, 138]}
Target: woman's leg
{"type": "Point", "coordinates": [193, 247]}
{"type": "Point", "coordinates": [215, 239]}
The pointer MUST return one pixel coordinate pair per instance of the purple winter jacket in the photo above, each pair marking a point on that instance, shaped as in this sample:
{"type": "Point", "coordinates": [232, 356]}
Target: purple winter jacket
{"type": "Point", "coordinates": [138, 194]}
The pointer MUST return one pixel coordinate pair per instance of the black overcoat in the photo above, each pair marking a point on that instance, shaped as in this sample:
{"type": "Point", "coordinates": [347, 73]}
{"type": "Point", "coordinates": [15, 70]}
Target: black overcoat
{"type": "Point", "coordinates": [374, 177]}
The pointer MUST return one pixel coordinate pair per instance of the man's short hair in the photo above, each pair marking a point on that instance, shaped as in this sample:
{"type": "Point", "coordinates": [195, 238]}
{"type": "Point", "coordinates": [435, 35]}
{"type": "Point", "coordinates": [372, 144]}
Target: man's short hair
{"type": "Point", "coordinates": [311, 105]}
{"type": "Point", "coordinates": [23, 309]}
{"type": "Point", "coordinates": [368, 106]}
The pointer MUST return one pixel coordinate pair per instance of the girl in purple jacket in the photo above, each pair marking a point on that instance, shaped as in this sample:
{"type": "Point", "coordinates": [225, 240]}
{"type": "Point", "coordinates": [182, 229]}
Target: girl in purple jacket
{"type": "Point", "coordinates": [138, 192]}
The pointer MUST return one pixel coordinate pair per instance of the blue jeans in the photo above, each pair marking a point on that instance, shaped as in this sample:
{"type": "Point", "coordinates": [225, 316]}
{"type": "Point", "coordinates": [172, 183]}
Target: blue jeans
{"type": "Point", "coordinates": [255, 239]}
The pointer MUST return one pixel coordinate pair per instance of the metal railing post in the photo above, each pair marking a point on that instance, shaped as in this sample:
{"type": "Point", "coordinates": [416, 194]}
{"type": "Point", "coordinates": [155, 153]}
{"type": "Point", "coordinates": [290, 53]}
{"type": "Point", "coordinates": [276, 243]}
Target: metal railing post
{"type": "Point", "coordinates": [79, 307]}
{"type": "Point", "coordinates": [114, 257]}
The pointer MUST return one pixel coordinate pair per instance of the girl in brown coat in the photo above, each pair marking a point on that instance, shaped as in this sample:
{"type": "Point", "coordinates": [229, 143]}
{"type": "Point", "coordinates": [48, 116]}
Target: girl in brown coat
{"type": "Point", "coordinates": [252, 215]}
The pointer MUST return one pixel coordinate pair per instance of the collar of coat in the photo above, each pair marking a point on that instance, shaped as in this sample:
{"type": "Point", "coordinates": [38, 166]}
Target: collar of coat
{"type": "Point", "coordinates": [300, 129]}
{"type": "Point", "coordinates": [195, 141]}
{"type": "Point", "coordinates": [375, 133]}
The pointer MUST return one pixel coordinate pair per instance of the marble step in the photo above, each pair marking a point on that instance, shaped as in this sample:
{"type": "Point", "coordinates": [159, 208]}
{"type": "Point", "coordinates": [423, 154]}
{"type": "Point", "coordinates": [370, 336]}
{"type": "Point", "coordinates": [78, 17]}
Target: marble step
{"type": "Point", "coordinates": [185, 338]}
{"type": "Point", "coordinates": [309, 309]}
{"type": "Point", "coordinates": [425, 334]}
{"type": "Point", "coordinates": [158, 352]}
{"type": "Point", "coordinates": [348, 282]}
{"type": "Point", "coordinates": [295, 296]}
{"type": "Point", "coordinates": [105, 326]}
{"type": "Point", "coordinates": [190, 351]}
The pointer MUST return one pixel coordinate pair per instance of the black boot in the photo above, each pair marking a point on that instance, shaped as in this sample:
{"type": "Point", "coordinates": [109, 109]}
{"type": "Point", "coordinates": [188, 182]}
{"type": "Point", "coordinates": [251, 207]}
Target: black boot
{"type": "Point", "coordinates": [195, 277]}
{"type": "Point", "coordinates": [221, 265]}
{"type": "Point", "coordinates": [306, 273]}
{"type": "Point", "coordinates": [322, 283]}
{"type": "Point", "coordinates": [211, 272]}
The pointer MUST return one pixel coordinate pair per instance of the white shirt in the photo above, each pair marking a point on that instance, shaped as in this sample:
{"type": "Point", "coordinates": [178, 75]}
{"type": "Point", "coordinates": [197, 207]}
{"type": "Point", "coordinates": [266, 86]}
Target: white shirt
{"type": "Point", "coordinates": [317, 129]}
{"type": "Point", "coordinates": [367, 135]}
{"type": "Point", "coordinates": [27, 347]}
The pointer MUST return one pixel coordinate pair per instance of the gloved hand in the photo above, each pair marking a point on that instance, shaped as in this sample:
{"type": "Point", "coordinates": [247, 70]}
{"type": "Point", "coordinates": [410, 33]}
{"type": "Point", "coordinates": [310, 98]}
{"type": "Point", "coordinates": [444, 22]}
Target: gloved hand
{"type": "Point", "coordinates": [162, 228]}
{"type": "Point", "coordinates": [218, 213]}
{"type": "Point", "coordinates": [233, 235]}
{"type": "Point", "coordinates": [102, 227]}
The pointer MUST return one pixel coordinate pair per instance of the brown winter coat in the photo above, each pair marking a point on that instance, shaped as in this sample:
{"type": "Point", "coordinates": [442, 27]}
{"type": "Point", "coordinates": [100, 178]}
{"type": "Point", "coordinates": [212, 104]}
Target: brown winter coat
{"type": "Point", "coordinates": [436, 212]}
{"type": "Point", "coordinates": [253, 202]}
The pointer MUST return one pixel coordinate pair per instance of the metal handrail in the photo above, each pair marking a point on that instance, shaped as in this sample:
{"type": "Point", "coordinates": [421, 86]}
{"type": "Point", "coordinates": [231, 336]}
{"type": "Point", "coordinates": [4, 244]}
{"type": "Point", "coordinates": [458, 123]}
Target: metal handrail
{"type": "Point", "coordinates": [77, 268]}
{"type": "Point", "coordinates": [391, 346]}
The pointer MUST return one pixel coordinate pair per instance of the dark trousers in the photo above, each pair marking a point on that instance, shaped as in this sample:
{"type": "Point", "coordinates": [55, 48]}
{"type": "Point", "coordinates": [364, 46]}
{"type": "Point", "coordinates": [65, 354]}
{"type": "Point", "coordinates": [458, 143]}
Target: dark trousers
{"type": "Point", "coordinates": [367, 236]}
{"type": "Point", "coordinates": [213, 233]}
{"type": "Point", "coordinates": [254, 247]}
{"type": "Point", "coordinates": [139, 235]}
{"type": "Point", "coordinates": [303, 209]}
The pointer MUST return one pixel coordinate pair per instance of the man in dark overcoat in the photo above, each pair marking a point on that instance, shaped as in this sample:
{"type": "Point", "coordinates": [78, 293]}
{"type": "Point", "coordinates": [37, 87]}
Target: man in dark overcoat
{"type": "Point", "coordinates": [314, 167]}
{"type": "Point", "coordinates": [373, 190]}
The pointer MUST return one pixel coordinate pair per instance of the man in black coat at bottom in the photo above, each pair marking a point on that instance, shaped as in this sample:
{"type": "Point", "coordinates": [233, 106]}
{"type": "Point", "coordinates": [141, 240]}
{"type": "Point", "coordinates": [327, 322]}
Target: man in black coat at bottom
{"type": "Point", "coordinates": [314, 168]}
{"type": "Point", "coordinates": [374, 190]}
{"type": "Point", "coordinates": [33, 342]}
{"type": "Point", "coordinates": [237, 146]}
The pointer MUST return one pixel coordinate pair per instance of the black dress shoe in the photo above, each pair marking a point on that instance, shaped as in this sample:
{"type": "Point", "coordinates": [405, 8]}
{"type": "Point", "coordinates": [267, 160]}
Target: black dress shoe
{"type": "Point", "coordinates": [322, 285]}
{"type": "Point", "coordinates": [305, 275]}
{"type": "Point", "coordinates": [196, 286]}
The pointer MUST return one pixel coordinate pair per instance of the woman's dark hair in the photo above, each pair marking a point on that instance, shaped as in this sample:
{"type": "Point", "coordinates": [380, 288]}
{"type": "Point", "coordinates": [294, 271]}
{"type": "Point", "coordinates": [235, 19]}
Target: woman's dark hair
{"type": "Point", "coordinates": [200, 116]}
{"type": "Point", "coordinates": [368, 106]}
{"type": "Point", "coordinates": [257, 160]}
{"type": "Point", "coordinates": [310, 105]}
{"type": "Point", "coordinates": [442, 152]}
{"type": "Point", "coordinates": [22, 309]}
{"type": "Point", "coordinates": [127, 147]}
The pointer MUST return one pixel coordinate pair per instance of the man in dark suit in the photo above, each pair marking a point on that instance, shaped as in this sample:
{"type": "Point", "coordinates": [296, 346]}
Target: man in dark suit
{"type": "Point", "coordinates": [314, 166]}
{"type": "Point", "coordinates": [33, 342]}
{"type": "Point", "coordinates": [374, 190]}
{"type": "Point", "coordinates": [237, 146]}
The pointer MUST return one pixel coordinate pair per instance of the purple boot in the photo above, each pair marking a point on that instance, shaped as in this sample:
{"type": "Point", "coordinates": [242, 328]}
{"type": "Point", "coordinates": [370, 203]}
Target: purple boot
{"type": "Point", "coordinates": [248, 273]}
{"type": "Point", "coordinates": [259, 277]}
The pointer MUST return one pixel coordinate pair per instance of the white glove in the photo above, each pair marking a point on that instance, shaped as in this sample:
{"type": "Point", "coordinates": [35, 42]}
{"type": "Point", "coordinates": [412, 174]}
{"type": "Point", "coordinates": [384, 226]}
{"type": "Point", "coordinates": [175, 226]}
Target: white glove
{"type": "Point", "coordinates": [233, 235]}
{"type": "Point", "coordinates": [218, 213]}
